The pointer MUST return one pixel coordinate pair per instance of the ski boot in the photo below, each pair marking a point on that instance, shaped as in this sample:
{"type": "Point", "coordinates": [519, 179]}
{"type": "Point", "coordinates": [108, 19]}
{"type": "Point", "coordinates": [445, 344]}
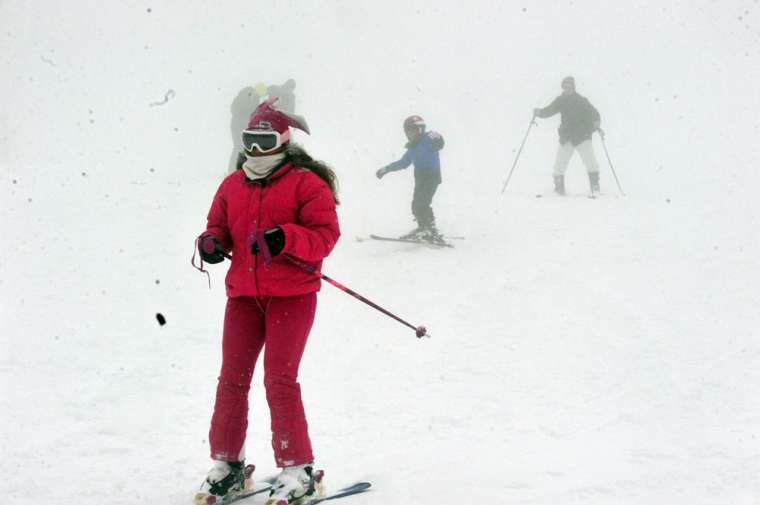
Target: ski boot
{"type": "Point", "coordinates": [225, 480]}
{"type": "Point", "coordinates": [559, 185]}
{"type": "Point", "coordinates": [414, 234]}
{"type": "Point", "coordinates": [297, 485]}
{"type": "Point", "coordinates": [430, 234]}
{"type": "Point", "coordinates": [593, 179]}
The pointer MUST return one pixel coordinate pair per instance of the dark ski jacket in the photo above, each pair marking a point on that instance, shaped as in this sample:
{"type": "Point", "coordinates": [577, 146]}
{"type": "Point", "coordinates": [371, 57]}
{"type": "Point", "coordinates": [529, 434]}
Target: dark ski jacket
{"type": "Point", "coordinates": [579, 117]}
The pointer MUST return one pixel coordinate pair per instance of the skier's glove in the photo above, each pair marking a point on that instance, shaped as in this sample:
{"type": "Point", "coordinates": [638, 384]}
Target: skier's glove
{"type": "Point", "coordinates": [275, 239]}
{"type": "Point", "coordinates": [381, 172]}
{"type": "Point", "coordinates": [536, 111]}
{"type": "Point", "coordinates": [437, 140]}
{"type": "Point", "coordinates": [210, 249]}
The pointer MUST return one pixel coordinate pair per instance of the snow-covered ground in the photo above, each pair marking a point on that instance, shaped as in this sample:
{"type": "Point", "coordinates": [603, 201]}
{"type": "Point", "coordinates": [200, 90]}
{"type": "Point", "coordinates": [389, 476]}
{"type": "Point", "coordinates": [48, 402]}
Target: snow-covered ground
{"type": "Point", "coordinates": [584, 351]}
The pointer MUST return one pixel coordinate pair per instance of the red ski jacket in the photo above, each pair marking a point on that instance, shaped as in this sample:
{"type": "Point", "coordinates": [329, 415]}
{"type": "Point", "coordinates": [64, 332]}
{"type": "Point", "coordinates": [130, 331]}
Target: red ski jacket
{"type": "Point", "coordinates": [294, 199]}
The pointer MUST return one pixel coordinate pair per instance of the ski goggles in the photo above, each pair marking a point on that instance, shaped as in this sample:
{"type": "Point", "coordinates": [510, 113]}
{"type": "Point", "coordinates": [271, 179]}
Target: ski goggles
{"type": "Point", "coordinates": [266, 141]}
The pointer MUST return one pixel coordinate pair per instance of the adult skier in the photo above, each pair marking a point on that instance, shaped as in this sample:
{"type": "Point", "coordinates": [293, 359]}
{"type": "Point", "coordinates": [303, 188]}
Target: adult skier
{"type": "Point", "coordinates": [282, 202]}
{"type": "Point", "coordinates": [285, 94]}
{"type": "Point", "coordinates": [422, 151]}
{"type": "Point", "coordinates": [579, 121]}
{"type": "Point", "coordinates": [240, 111]}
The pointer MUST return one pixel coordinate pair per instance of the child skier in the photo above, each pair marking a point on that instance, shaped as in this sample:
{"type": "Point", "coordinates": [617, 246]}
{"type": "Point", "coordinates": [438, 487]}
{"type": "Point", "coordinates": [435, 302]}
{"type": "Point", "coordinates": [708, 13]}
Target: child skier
{"type": "Point", "coordinates": [421, 150]}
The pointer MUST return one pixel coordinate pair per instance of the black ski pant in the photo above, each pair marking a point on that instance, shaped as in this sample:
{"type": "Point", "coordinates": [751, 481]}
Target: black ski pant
{"type": "Point", "coordinates": [425, 185]}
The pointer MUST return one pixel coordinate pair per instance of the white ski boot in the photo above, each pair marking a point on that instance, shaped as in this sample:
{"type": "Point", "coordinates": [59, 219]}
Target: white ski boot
{"type": "Point", "coordinates": [225, 480]}
{"type": "Point", "coordinates": [297, 485]}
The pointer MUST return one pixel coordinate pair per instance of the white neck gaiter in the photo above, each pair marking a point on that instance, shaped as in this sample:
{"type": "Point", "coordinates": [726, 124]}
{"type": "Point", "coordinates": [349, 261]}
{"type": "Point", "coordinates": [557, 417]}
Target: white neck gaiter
{"type": "Point", "coordinates": [259, 167]}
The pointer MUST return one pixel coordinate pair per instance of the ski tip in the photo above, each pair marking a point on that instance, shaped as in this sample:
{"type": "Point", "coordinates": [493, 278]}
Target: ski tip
{"type": "Point", "coordinates": [204, 499]}
{"type": "Point", "coordinates": [356, 488]}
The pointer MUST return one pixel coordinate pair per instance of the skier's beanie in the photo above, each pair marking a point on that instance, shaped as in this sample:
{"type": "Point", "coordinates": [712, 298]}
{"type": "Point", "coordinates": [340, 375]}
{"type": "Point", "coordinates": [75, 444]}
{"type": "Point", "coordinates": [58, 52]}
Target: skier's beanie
{"type": "Point", "coordinates": [266, 117]}
{"type": "Point", "coordinates": [569, 80]}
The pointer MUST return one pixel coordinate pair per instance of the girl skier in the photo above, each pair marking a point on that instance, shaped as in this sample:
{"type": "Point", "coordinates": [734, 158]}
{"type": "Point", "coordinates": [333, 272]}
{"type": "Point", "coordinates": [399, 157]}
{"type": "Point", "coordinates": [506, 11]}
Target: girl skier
{"type": "Point", "coordinates": [282, 203]}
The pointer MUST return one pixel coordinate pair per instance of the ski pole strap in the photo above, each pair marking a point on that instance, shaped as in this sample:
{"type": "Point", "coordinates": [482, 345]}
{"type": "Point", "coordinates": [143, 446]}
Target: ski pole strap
{"type": "Point", "coordinates": [200, 267]}
{"type": "Point", "coordinates": [420, 331]}
{"type": "Point", "coordinates": [257, 237]}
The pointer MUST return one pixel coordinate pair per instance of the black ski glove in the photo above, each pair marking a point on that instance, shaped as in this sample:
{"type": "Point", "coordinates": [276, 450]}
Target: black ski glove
{"type": "Point", "coordinates": [275, 239]}
{"type": "Point", "coordinates": [437, 139]}
{"type": "Point", "coordinates": [210, 249]}
{"type": "Point", "coordinates": [381, 172]}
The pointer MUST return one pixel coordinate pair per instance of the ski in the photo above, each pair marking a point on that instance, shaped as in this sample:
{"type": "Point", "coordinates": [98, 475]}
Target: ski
{"type": "Point", "coordinates": [551, 194]}
{"type": "Point", "coordinates": [356, 488]}
{"type": "Point", "coordinates": [590, 196]}
{"type": "Point", "coordinates": [243, 496]}
{"type": "Point", "coordinates": [359, 487]}
{"type": "Point", "coordinates": [411, 241]}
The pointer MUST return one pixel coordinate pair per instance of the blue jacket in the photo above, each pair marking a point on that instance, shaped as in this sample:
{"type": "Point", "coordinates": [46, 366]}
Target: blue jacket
{"type": "Point", "coordinates": [423, 153]}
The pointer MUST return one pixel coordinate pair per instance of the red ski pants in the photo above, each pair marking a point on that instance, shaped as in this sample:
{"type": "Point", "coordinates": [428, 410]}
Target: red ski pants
{"type": "Point", "coordinates": [283, 324]}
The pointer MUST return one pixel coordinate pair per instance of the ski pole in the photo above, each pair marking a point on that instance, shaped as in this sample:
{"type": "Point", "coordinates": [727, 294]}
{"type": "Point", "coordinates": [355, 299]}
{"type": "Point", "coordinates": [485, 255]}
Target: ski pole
{"type": "Point", "coordinates": [604, 145]}
{"type": "Point", "coordinates": [420, 331]}
{"type": "Point", "coordinates": [532, 122]}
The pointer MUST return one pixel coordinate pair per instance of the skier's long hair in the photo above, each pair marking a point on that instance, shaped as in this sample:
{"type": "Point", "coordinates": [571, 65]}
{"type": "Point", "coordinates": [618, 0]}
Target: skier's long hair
{"type": "Point", "coordinates": [300, 158]}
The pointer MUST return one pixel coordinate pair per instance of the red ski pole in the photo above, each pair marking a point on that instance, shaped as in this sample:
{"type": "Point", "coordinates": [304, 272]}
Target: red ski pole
{"type": "Point", "coordinates": [420, 331]}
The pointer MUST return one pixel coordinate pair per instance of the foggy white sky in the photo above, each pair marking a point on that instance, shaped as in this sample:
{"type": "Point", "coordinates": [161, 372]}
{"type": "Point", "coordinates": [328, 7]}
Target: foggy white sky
{"type": "Point", "coordinates": [101, 194]}
{"type": "Point", "coordinates": [679, 75]}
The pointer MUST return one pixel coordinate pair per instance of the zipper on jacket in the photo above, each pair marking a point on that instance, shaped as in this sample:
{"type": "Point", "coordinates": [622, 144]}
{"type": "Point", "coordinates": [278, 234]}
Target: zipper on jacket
{"type": "Point", "coordinates": [262, 185]}
{"type": "Point", "coordinates": [256, 256]}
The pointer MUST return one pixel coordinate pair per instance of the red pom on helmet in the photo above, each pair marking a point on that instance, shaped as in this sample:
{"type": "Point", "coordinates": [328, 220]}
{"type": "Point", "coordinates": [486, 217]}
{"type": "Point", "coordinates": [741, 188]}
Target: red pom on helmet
{"type": "Point", "coordinates": [266, 117]}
